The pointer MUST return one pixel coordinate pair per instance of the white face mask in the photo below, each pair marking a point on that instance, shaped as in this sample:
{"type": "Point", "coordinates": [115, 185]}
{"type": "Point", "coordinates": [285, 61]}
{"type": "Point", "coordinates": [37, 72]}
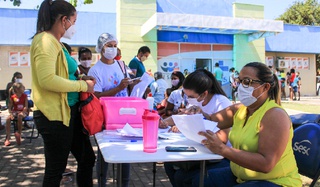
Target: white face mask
{"type": "Point", "coordinates": [194, 102]}
{"type": "Point", "coordinates": [70, 31]}
{"type": "Point", "coordinates": [175, 82]}
{"type": "Point", "coordinates": [110, 52]}
{"type": "Point", "coordinates": [245, 95]}
{"type": "Point", "coordinates": [18, 80]}
{"type": "Point", "coordinates": [86, 63]}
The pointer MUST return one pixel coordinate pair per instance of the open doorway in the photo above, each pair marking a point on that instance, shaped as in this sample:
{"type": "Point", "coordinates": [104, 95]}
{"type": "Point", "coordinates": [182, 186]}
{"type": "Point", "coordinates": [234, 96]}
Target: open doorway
{"type": "Point", "coordinates": [204, 64]}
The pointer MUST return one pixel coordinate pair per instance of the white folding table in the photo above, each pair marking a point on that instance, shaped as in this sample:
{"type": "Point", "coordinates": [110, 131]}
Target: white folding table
{"type": "Point", "coordinates": [125, 151]}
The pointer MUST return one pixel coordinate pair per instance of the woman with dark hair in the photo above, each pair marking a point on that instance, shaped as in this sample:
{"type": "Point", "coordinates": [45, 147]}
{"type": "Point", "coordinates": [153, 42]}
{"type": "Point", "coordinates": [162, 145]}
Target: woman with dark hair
{"type": "Point", "coordinates": [261, 135]}
{"type": "Point", "coordinates": [176, 99]}
{"type": "Point", "coordinates": [85, 59]}
{"type": "Point", "coordinates": [204, 93]}
{"type": "Point", "coordinates": [16, 78]}
{"type": "Point", "coordinates": [55, 90]}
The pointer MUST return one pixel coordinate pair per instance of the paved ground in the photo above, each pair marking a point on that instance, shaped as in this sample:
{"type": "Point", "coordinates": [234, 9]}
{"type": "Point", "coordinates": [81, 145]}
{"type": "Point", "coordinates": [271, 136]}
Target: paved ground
{"type": "Point", "coordinates": [24, 165]}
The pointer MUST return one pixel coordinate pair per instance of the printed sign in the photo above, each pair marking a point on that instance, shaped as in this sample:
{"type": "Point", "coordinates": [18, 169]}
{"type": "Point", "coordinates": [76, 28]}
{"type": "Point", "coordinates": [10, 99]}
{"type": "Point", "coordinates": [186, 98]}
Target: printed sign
{"type": "Point", "coordinates": [13, 59]}
{"type": "Point", "coordinates": [24, 59]}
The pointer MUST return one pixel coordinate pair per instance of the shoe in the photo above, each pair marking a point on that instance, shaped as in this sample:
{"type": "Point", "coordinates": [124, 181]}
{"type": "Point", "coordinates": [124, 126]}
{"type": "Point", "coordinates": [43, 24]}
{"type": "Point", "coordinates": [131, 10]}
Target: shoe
{"type": "Point", "coordinates": [299, 99]}
{"type": "Point", "coordinates": [18, 138]}
{"type": "Point", "coordinates": [7, 142]}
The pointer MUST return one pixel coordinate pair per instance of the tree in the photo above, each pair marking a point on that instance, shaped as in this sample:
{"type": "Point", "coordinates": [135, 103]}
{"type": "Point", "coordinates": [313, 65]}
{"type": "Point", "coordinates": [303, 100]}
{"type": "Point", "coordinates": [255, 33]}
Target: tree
{"type": "Point", "coordinates": [73, 2]}
{"type": "Point", "coordinates": [303, 13]}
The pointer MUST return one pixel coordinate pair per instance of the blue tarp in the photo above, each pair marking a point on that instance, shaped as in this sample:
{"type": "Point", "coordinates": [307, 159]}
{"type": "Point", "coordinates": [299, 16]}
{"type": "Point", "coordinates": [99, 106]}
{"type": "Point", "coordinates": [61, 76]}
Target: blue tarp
{"type": "Point", "coordinates": [201, 7]}
{"type": "Point", "coordinates": [19, 25]}
{"type": "Point", "coordinates": [295, 39]}
{"type": "Point", "coordinates": [191, 37]}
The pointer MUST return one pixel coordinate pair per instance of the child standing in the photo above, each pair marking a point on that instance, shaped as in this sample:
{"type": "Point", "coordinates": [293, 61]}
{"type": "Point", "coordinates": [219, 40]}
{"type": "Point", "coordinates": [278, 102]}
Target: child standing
{"type": "Point", "coordinates": [295, 86]}
{"type": "Point", "coordinates": [18, 109]}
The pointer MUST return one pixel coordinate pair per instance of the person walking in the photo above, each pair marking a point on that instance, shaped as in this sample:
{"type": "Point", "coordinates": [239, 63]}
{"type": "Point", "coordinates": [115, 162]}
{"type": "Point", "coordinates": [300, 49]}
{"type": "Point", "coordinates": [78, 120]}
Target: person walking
{"type": "Point", "coordinates": [218, 73]}
{"type": "Point", "coordinates": [55, 91]}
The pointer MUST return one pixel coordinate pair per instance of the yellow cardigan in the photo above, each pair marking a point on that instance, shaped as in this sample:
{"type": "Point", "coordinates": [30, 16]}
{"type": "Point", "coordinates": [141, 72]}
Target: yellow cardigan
{"type": "Point", "coordinates": [50, 79]}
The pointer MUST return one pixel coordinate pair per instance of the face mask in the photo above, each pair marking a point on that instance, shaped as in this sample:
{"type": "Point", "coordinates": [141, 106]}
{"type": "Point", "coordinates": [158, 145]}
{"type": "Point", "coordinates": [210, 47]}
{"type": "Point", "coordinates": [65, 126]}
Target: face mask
{"type": "Point", "coordinates": [175, 82]}
{"type": "Point", "coordinates": [18, 81]}
{"type": "Point", "coordinates": [117, 58]}
{"type": "Point", "coordinates": [70, 31]}
{"type": "Point", "coordinates": [110, 52]}
{"type": "Point", "coordinates": [194, 102]}
{"type": "Point", "coordinates": [85, 63]}
{"type": "Point", "coordinates": [143, 58]}
{"type": "Point", "coordinates": [245, 95]}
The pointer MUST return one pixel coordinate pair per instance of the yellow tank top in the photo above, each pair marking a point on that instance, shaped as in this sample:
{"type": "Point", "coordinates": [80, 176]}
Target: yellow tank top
{"type": "Point", "coordinates": [285, 173]}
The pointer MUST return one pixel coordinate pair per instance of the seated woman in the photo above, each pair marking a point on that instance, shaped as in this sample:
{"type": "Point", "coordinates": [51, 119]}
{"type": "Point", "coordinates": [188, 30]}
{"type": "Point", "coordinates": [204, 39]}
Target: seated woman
{"type": "Point", "coordinates": [202, 90]}
{"type": "Point", "coordinates": [261, 135]}
{"type": "Point", "coordinates": [176, 99]}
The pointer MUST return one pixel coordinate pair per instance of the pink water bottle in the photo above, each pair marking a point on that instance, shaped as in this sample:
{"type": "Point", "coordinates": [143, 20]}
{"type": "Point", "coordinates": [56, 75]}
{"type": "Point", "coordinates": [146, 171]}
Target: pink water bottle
{"type": "Point", "coordinates": [150, 120]}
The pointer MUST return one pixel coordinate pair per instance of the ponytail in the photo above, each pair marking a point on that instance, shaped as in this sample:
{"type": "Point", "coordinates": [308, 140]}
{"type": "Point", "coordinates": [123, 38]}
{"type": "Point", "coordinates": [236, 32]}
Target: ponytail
{"type": "Point", "coordinates": [275, 92]}
{"type": "Point", "coordinates": [51, 11]}
{"type": "Point", "coordinates": [215, 86]}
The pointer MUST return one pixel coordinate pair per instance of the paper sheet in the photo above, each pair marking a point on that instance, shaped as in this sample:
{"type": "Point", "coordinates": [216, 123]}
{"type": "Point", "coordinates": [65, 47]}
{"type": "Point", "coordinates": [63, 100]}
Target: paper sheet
{"type": "Point", "coordinates": [139, 89]}
{"type": "Point", "coordinates": [129, 131]}
{"type": "Point", "coordinates": [190, 125]}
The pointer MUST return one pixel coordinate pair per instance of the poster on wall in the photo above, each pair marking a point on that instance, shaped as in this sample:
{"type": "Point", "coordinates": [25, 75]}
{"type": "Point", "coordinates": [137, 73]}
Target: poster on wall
{"type": "Point", "coordinates": [14, 59]}
{"type": "Point", "coordinates": [293, 62]}
{"type": "Point", "coordinates": [284, 63]}
{"type": "Point", "coordinates": [305, 63]}
{"type": "Point", "coordinates": [269, 61]}
{"type": "Point", "coordinates": [24, 59]}
{"type": "Point", "coordinates": [299, 63]}
{"type": "Point", "coordinates": [75, 56]}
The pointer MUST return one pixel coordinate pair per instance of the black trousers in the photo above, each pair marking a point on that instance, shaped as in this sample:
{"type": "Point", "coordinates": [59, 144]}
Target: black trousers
{"type": "Point", "coordinates": [59, 140]}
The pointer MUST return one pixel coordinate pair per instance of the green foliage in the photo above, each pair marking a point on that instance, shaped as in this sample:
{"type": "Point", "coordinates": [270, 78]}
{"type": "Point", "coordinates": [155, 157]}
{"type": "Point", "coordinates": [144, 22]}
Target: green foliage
{"type": "Point", "coordinates": [73, 2]}
{"type": "Point", "coordinates": [302, 13]}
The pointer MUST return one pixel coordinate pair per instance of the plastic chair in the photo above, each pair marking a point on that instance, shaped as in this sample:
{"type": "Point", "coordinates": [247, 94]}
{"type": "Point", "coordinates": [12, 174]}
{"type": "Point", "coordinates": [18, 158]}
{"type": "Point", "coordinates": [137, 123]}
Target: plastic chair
{"type": "Point", "coordinates": [306, 147]}
{"type": "Point", "coordinates": [25, 122]}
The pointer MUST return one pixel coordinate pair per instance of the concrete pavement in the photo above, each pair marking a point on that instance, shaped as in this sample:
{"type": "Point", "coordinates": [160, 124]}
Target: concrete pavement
{"type": "Point", "coordinates": [24, 165]}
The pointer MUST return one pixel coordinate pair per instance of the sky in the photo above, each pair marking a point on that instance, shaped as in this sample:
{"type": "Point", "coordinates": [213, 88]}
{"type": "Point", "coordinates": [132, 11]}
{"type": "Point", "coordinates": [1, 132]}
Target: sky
{"type": "Point", "coordinates": [272, 8]}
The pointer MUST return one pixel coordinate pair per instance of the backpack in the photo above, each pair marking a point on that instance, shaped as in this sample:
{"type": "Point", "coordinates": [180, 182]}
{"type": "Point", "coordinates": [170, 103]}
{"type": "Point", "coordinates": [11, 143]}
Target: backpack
{"type": "Point", "coordinates": [91, 113]}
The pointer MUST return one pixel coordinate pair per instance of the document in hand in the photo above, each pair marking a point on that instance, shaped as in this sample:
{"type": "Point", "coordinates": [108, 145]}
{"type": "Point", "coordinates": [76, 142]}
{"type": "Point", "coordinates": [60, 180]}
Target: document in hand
{"type": "Point", "coordinates": [139, 89]}
{"type": "Point", "coordinates": [190, 125]}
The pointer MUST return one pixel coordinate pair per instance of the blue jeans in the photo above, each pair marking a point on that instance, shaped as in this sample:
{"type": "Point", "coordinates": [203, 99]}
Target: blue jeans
{"type": "Point", "coordinates": [221, 177]}
{"type": "Point", "coordinates": [58, 141]}
{"type": "Point", "coordinates": [182, 178]}
{"type": "Point", "coordinates": [102, 177]}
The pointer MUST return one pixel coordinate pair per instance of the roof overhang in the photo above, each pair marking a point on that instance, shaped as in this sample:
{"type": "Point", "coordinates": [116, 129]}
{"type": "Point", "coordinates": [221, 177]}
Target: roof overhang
{"type": "Point", "coordinates": [254, 28]}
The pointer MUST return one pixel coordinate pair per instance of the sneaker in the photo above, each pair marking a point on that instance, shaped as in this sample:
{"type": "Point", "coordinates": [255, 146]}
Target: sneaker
{"type": "Point", "coordinates": [7, 142]}
{"type": "Point", "coordinates": [18, 138]}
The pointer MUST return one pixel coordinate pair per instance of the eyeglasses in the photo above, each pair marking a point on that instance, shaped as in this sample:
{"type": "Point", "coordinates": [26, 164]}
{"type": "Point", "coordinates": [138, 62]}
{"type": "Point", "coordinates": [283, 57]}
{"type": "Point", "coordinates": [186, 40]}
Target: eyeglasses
{"type": "Point", "coordinates": [246, 82]}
